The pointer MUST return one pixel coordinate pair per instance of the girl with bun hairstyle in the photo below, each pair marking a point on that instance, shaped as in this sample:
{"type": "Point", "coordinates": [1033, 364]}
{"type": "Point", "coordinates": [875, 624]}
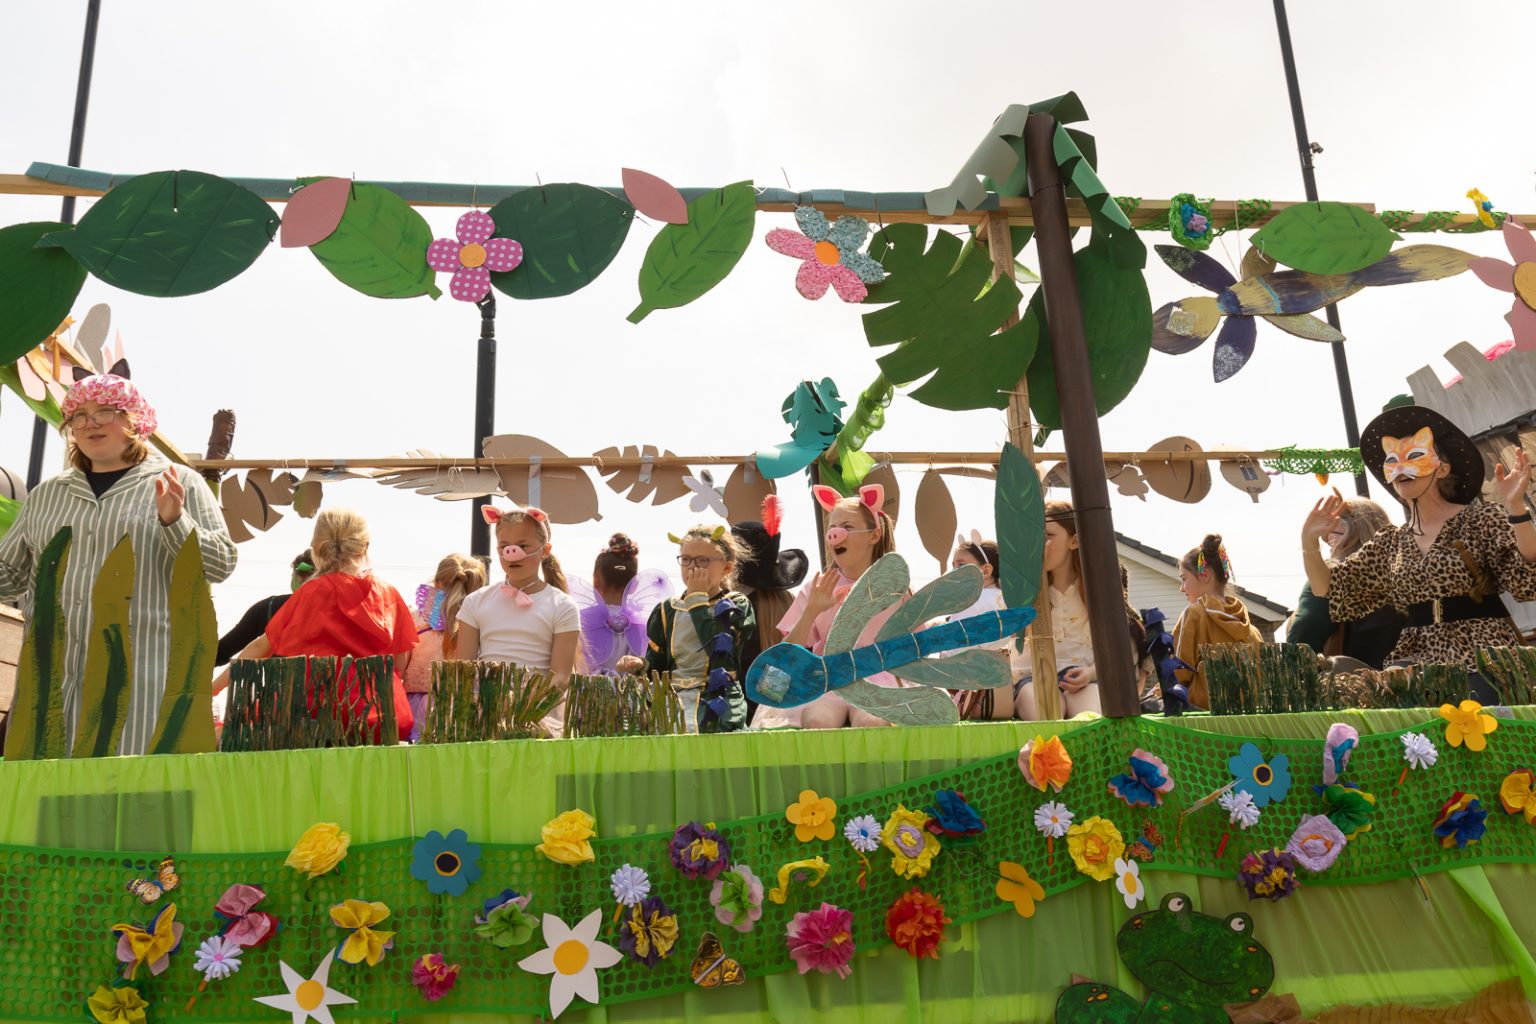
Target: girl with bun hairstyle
{"type": "Point", "coordinates": [437, 627]}
{"type": "Point", "coordinates": [1214, 616]}
{"type": "Point", "coordinates": [616, 605]}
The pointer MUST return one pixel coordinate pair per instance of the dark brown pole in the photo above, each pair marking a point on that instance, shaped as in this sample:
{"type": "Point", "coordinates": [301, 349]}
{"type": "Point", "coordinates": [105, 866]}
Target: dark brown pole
{"type": "Point", "coordinates": [1080, 423]}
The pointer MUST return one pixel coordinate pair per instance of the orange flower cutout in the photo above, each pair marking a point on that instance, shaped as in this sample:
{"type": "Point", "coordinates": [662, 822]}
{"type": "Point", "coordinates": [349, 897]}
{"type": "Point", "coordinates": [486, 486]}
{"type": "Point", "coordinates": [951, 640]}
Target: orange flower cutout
{"type": "Point", "coordinates": [1018, 888]}
{"type": "Point", "coordinates": [1045, 761]}
{"type": "Point", "coordinates": [1468, 724]}
{"type": "Point", "coordinates": [813, 816]}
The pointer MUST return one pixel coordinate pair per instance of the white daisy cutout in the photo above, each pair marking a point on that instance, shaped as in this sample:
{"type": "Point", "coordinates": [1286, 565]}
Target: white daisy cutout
{"type": "Point", "coordinates": [310, 997]}
{"type": "Point", "coordinates": [573, 956]}
{"type": "Point", "coordinates": [1129, 882]}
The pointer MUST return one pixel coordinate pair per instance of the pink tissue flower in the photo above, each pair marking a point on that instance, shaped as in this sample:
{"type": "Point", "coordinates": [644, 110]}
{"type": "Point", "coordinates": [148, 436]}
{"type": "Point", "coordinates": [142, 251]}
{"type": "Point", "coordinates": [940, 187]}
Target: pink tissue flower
{"type": "Point", "coordinates": [472, 258]}
{"type": "Point", "coordinates": [822, 939]}
{"type": "Point", "coordinates": [433, 976]}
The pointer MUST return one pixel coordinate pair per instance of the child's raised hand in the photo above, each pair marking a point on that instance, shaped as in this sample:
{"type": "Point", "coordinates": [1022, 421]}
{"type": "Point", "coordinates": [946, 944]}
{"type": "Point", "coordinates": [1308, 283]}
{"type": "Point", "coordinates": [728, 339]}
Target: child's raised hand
{"type": "Point", "coordinates": [696, 580]}
{"type": "Point", "coordinates": [823, 594]}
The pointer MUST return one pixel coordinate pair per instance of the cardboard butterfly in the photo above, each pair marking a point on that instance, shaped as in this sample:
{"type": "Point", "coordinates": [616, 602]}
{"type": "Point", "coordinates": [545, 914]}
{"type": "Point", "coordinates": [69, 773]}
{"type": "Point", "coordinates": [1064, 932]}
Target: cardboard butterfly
{"type": "Point", "coordinates": [712, 968]}
{"type": "Point", "coordinates": [148, 890]}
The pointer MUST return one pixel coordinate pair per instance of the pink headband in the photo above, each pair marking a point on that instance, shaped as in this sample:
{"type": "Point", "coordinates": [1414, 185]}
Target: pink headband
{"type": "Point", "coordinates": [116, 392]}
{"type": "Point", "coordinates": [871, 495]}
{"type": "Point", "coordinates": [493, 515]}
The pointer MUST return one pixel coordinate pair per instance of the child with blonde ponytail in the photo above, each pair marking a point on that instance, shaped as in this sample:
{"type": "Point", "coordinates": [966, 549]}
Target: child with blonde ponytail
{"type": "Point", "coordinates": [437, 627]}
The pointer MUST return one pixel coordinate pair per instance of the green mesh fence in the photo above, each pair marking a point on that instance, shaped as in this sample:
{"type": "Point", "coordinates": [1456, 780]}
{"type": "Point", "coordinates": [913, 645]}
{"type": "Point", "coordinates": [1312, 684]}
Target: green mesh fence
{"type": "Point", "coordinates": [57, 906]}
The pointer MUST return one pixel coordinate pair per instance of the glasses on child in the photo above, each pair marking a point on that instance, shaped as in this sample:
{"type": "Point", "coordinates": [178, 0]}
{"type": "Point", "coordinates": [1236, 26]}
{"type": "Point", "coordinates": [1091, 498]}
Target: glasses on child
{"type": "Point", "coordinates": [697, 561]}
{"type": "Point", "coordinates": [99, 418]}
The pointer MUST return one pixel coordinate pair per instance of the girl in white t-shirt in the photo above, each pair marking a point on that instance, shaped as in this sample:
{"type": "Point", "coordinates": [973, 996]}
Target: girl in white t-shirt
{"type": "Point", "coordinates": [527, 620]}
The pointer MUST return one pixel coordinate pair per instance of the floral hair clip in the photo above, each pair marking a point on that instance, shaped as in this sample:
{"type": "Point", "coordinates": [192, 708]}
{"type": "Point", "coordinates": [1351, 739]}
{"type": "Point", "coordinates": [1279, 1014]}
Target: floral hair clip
{"type": "Point", "coordinates": [1202, 570]}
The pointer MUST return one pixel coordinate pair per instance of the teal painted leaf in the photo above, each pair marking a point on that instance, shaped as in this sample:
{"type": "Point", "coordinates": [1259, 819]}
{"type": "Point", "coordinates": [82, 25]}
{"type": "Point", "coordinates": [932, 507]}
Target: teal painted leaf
{"type": "Point", "coordinates": [380, 246]}
{"type": "Point", "coordinates": [1019, 512]}
{"type": "Point", "coordinates": [687, 260]}
{"type": "Point", "coordinates": [1325, 238]}
{"type": "Point", "coordinates": [904, 705]}
{"type": "Point", "coordinates": [1117, 318]}
{"type": "Point", "coordinates": [171, 233]}
{"type": "Point", "coordinates": [569, 235]}
{"type": "Point", "coordinates": [37, 286]}
{"type": "Point", "coordinates": [953, 592]}
{"type": "Point", "coordinates": [882, 585]}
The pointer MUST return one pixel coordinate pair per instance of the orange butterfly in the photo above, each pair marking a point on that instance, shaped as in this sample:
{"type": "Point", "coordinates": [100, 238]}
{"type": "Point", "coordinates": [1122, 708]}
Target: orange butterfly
{"type": "Point", "coordinates": [150, 889]}
{"type": "Point", "coordinates": [712, 968]}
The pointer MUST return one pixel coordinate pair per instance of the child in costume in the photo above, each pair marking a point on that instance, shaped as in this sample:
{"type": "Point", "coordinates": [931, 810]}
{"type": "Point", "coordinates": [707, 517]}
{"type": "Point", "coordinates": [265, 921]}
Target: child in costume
{"type": "Point", "coordinates": [527, 619]}
{"type": "Point", "coordinates": [616, 605]}
{"type": "Point", "coordinates": [1368, 640]}
{"type": "Point", "coordinates": [767, 575]}
{"type": "Point", "coordinates": [1214, 616]}
{"type": "Point", "coordinates": [437, 627]}
{"type": "Point", "coordinates": [699, 637]}
{"type": "Point", "coordinates": [974, 550]}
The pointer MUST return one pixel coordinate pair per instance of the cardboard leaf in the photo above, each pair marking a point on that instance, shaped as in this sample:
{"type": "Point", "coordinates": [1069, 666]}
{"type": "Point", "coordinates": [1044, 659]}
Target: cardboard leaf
{"type": "Point", "coordinates": [1289, 291]}
{"type": "Point", "coordinates": [92, 336]}
{"type": "Point", "coordinates": [1196, 267]}
{"type": "Point", "coordinates": [1188, 482]}
{"type": "Point", "coordinates": [307, 497]}
{"type": "Point", "coordinates": [37, 286]}
{"type": "Point", "coordinates": [962, 670]}
{"type": "Point", "coordinates": [569, 234]}
{"type": "Point", "coordinates": [1234, 347]}
{"type": "Point", "coordinates": [940, 326]}
{"type": "Point", "coordinates": [380, 246]}
{"type": "Point", "coordinates": [1019, 513]}
{"type": "Point", "coordinates": [185, 724]}
{"type": "Point", "coordinates": [448, 484]}
{"type": "Point", "coordinates": [1117, 319]}
{"type": "Point", "coordinates": [936, 518]}
{"type": "Point", "coordinates": [35, 725]}
{"type": "Point", "coordinates": [973, 472]}
{"type": "Point", "coordinates": [566, 493]}
{"type": "Point", "coordinates": [654, 197]}
{"type": "Point", "coordinates": [953, 592]}
{"type": "Point", "coordinates": [245, 507]}
{"type": "Point", "coordinates": [1413, 263]}
{"type": "Point", "coordinates": [313, 212]}
{"type": "Point", "coordinates": [1325, 238]}
{"type": "Point", "coordinates": [171, 233]}
{"type": "Point", "coordinates": [1128, 480]}
{"type": "Point", "coordinates": [814, 414]}
{"type": "Point", "coordinates": [1305, 325]}
{"type": "Point", "coordinates": [882, 585]}
{"type": "Point", "coordinates": [744, 493]}
{"type": "Point", "coordinates": [107, 681]}
{"type": "Point", "coordinates": [1183, 326]}
{"type": "Point", "coordinates": [903, 705]}
{"type": "Point", "coordinates": [686, 260]}
{"type": "Point", "coordinates": [1246, 476]}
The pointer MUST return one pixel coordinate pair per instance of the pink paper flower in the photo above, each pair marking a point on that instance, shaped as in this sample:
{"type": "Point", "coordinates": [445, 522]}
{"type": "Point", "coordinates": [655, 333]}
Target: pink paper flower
{"type": "Point", "coordinates": [433, 976]}
{"type": "Point", "coordinates": [1518, 278]}
{"type": "Point", "coordinates": [822, 939]}
{"type": "Point", "coordinates": [473, 256]}
{"type": "Point", "coordinates": [830, 255]}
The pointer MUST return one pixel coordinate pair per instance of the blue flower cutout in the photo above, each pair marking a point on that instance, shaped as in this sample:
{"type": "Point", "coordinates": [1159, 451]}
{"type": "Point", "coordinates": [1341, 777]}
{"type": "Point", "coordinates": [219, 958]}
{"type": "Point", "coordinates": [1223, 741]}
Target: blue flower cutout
{"type": "Point", "coordinates": [1266, 781]}
{"type": "Point", "coordinates": [448, 864]}
{"type": "Point", "coordinates": [950, 815]}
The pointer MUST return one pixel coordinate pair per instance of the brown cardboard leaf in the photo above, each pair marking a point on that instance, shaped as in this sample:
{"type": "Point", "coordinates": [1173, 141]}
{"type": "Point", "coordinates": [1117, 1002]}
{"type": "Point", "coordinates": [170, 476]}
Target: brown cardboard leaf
{"type": "Point", "coordinates": [1188, 482]}
{"type": "Point", "coordinates": [448, 483]}
{"type": "Point", "coordinates": [1127, 479]}
{"type": "Point", "coordinates": [307, 498]}
{"type": "Point", "coordinates": [661, 484]}
{"type": "Point", "coordinates": [565, 492]}
{"type": "Point", "coordinates": [883, 475]}
{"type": "Point", "coordinates": [744, 496]}
{"type": "Point", "coordinates": [936, 517]}
{"type": "Point", "coordinates": [1056, 476]}
{"type": "Point", "coordinates": [245, 508]}
{"type": "Point", "coordinates": [974, 472]}
{"type": "Point", "coordinates": [1247, 476]}
{"type": "Point", "coordinates": [276, 490]}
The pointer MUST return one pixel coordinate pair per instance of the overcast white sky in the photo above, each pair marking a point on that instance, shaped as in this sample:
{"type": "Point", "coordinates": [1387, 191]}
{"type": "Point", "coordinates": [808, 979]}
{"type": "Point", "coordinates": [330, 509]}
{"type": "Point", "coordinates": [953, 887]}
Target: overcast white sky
{"type": "Point", "coordinates": [1413, 102]}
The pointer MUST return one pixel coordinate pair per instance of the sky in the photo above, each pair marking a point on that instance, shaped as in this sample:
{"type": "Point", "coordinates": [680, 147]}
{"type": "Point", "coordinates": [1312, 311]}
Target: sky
{"type": "Point", "coordinates": [1412, 105]}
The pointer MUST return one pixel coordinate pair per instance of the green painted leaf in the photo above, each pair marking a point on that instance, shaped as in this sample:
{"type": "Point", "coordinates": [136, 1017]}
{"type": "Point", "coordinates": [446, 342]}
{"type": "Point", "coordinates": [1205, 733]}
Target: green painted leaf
{"type": "Point", "coordinates": [380, 246]}
{"type": "Point", "coordinates": [902, 705]}
{"type": "Point", "coordinates": [882, 585]}
{"type": "Point", "coordinates": [687, 260]}
{"type": "Point", "coordinates": [1019, 512]}
{"type": "Point", "coordinates": [171, 233]}
{"type": "Point", "coordinates": [48, 409]}
{"type": "Point", "coordinates": [962, 670]}
{"type": "Point", "coordinates": [35, 726]}
{"type": "Point", "coordinates": [942, 324]}
{"type": "Point", "coordinates": [953, 592]}
{"type": "Point", "coordinates": [108, 678]}
{"type": "Point", "coordinates": [1325, 238]}
{"type": "Point", "coordinates": [1117, 318]}
{"type": "Point", "coordinates": [185, 725]}
{"type": "Point", "coordinates": [37, 286]}
{"type": "Point", "coordinates": [569, 235]}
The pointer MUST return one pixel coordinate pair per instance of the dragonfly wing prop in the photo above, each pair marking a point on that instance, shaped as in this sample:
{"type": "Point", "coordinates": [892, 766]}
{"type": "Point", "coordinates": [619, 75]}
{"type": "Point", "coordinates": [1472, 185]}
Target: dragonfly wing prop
{"type": "Point", "coordinates": [950, 593]}
{"type": "Point", "coordinates": [882, 585]}
{"type": "Point", "coordinates": [787, 675]}
{"type": "Point", "coordinates": [964, 670]}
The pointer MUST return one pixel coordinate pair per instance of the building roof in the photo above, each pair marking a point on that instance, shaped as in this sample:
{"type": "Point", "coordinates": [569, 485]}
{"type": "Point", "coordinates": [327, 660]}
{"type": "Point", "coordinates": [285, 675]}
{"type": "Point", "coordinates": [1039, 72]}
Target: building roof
{"type": "Point", "coordinates": [1281, 612]}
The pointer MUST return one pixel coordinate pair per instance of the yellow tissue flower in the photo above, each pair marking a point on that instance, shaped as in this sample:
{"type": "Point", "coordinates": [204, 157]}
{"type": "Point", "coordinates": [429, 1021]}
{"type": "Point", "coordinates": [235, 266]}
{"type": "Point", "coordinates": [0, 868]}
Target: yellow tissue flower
{"type": "Point", "coordinates": [359, 917]}
{"type": "Point", "coordinates": [567, 838]}
{"type": "Point", "coordinates": [319, 849]}
{"type": "Point", "coordinates": [122, 1005]}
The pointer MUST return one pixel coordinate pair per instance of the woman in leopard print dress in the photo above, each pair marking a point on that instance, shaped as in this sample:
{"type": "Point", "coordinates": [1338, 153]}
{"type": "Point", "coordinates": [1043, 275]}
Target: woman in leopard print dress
{"type": "Point", "coordinates": [1445, 568]}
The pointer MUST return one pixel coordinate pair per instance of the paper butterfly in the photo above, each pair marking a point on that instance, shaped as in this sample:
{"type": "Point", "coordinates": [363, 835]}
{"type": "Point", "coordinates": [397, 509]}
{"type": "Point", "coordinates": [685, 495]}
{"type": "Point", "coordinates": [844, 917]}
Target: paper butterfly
{"type": "Point", "coordinates": [706, 495]}
{"type": "Point", "coordinates": [712, 968]}
{"type": "Point", "coordinates": [1146, 846]}
{"type": "Point", "coordinates": [1409, 457]}
{"type": "Point", "coordinates": [150, 889]}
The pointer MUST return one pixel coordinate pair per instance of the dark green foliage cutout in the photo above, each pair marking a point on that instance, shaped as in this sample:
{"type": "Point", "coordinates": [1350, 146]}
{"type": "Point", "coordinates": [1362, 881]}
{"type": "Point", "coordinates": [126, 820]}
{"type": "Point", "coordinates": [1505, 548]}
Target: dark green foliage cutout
{"type": "Point", "coordinates": [940, 326]}
{"type": "Point", "coordinates": [686, 260]}
{"type": "Point", "coordinates": [1325, 238]}
{"type": "Point", "coordinates": [37, 287]}
{"type": "Point", "coordinates": [1019, 512]}
{"type": "Point", "coordinates": [185, 725]}
{"type": "Point", "coordinates": [1117, 319]}
{"type": "Point", "coordinates": [108, 678]}
{"type": "Point", "coordinates": [35, 726]}
{"type": "Point", "coordinates": [171, 233]}
{"type": "Point", "coordinates": [1191, 964]}
{"type": "Point", "coordinates": [569, 235]}
{"type": "Point", "coordinates": [380, 246]}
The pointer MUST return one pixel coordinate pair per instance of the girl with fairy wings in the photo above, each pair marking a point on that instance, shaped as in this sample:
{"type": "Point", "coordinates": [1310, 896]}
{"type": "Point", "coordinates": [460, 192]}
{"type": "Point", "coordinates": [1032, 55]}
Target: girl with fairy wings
{"type": "Point", "coordinates": [616, 605]}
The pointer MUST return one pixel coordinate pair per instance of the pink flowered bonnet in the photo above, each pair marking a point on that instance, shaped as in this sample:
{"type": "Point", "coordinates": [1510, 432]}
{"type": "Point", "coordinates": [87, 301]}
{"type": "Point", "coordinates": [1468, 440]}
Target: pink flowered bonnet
{"type": "Point", "coordinates": [113, 389]}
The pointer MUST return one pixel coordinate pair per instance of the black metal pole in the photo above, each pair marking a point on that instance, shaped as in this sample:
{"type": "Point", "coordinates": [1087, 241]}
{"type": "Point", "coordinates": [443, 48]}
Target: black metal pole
{"type": "Point", "coordinates": [485, 416]}
{"type": "Point", "coordinates": [1309, 184]}
{"type": "Point", "coordinates": [67, 211]}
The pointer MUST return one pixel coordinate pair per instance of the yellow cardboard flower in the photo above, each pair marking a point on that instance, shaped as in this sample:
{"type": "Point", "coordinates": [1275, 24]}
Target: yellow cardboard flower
{"type": "Point", "coordinates": [1467, 724]}
{"type": "Point", "coordinates": [912, 846]}
{"type": "Point", "coordinates": [364, 943]}
{"type": "Point", "coordinates": [1095, 845]}
{"type": "Point", "coordinates": [319, 849]}
{"type": "Point", "coordinates": [1517, 794]}
{"type": "Point", "coordinates": [567, 838]}
{"type": "Point", "coordinates": [1018, 888]}
{"type": "Point", "coordinates": [121, 1005]}
{"type": "Point", "coordinates": [814, 817]}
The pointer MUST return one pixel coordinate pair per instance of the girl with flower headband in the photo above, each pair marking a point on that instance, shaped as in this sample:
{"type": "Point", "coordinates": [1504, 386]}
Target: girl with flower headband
{"type": "Point", "coordinates": [859, 533]}
{"type": "Point", "coordinates": [528, 619]}
{"type": "Point", "coordinates": [115, 486]}
{"type": "Point", "coordinates": [436, 617]}
{"type": "Point", "coordinates": [700, 637]}
{"type": "Point", "coordinates": [1215, 614]}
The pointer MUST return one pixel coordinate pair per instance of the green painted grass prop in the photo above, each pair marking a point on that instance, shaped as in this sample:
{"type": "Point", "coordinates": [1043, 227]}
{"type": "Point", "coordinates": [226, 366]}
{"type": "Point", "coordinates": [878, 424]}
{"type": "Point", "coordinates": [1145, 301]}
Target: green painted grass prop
{"type": "Point", "coordinates": [35, 726]}
{"type": "Point", "coordinates": [1019, 512]}
{"type": "Point", "coordinates": [108, 679]}
{"type": "Point", "coordinates": [296, 703]}
{"type": "Point", "coordinates": [1325, 238]}
{"type": "Point", "coordinates": [37, 287]}
{"type": "Point", "coordinates": [185, 725]}
{"type": "Point", "coordinates": [1512, 670]}
{"type": "Point", "coordinates": [569, 235]}
{"type": "Point", "coordinates": [380, 246]}
{"type": "Point", "coordinates": [170, 233]}
{"type": "Point", "coordinates": [1269, 679]}
{"type": "Point", "coordinates": [686, 260]}
{"type": "Point", "coordinates": [626, 706]}
{"type": "Point", "coordinates": [485, 700]}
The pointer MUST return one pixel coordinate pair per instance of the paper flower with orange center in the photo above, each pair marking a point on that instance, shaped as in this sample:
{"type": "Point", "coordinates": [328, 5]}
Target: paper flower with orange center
{"type": "Point", "coordinates": [814, 817]}
{"type": "Point", "coordinates": [1016, 887]}
{"type": "Point", "coordinates": [916, 923]}
{"type": "Point", "coordinates": [1517, 278]}
{"type": "Point", "coordinates": [1045, 761]}
{"type": "Point", "coordinates": [829, 255]}
{"type": "Point", "coordinates": [572, 959]}
{"type": "Point", "coordinates": [474, 256]}
{"type": "Point", "coordinates": [1467, 723]}
{"type": "Point", "coordinates": [1094, 846]}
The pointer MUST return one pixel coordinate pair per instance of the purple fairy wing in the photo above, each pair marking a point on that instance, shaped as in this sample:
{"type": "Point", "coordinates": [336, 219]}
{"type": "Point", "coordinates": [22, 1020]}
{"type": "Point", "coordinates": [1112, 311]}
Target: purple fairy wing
{"type": "Point", "coordinates": [599, 644]}
{"type": "Point", "coordinates": [649, 588]}
{"type": "Point", "coordinates": [582, 592]}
